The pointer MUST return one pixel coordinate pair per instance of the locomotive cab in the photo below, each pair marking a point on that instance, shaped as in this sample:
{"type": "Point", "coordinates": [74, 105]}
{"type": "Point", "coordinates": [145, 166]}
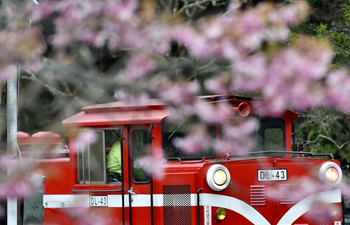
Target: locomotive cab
{"type": "Point", "coordinates": [200, 188]}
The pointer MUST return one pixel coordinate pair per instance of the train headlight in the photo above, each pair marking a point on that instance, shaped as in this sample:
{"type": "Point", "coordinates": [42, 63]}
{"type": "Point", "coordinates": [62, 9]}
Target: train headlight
{"type": "Point", "coordinates": [221, 214]}
{"type": "Point", "coordinates": [330, 173]}
{"type": "Point", "coordinates": [218, 177]}
{"type": "Point", "coordinates": [333, 209]}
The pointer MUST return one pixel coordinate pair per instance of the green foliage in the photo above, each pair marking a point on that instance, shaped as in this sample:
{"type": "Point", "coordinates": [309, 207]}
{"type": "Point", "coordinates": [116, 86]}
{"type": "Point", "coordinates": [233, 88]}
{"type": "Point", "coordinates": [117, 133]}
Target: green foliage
{"type": "Point", "coordinates": [330, 20]}
{"type": "Point", "coordinates": [321, 30]}
{"type": "Point", "coordinates": [324, 131]}
{"type": "Point", "coordinates": [346, 11]}
{"type": "Point", "coordinates": [341, 42]}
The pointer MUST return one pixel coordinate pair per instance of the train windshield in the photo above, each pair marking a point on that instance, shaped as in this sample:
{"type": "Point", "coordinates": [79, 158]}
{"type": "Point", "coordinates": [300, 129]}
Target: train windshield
{"type": "Point", "coordinates": [173, 131]}
{"type": "Point", "coordinates": [269, 136]}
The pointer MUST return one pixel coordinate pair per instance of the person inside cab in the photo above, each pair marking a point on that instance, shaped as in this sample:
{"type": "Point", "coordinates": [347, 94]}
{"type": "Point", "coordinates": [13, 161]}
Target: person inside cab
{"type": "Point", "coordinates": [114, 169]}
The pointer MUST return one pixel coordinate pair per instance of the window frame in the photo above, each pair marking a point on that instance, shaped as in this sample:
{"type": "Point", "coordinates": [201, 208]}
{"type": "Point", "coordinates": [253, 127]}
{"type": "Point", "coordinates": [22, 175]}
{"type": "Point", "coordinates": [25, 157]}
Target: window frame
{"type": "Point", "coordinates": [103, 130]}
{"type": "Point", "coordinates": [89, 153]}
{"type": "Point", "coordinates": [213, 153]}
{"type": "Point", "coordinates": [133, 160]}
{"type": "Point", "coordinates": [273, 123]}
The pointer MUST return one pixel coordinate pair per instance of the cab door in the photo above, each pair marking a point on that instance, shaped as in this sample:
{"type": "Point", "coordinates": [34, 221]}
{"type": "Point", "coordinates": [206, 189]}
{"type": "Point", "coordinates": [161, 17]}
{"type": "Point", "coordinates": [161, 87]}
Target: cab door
{"type": "Point", "coordinates": [140, 183]}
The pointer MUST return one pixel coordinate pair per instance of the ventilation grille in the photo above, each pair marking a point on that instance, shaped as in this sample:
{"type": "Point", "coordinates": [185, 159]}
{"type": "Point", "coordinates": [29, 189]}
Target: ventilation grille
{"type": "Point", "coordinates": [257, 195]}
{"type": "Point", "coordinates": [287, 193]}
{"type": "Point", "coordinates": [177, 205]}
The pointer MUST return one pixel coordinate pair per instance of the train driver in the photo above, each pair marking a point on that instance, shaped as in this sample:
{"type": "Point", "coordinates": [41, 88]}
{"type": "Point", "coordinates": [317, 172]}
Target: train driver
{"type": "Point", "coordinates": [114, 168]}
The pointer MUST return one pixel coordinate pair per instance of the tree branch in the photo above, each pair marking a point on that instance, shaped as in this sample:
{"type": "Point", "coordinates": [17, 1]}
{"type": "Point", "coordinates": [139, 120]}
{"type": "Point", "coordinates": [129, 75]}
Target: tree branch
{"type": "Point", "coordinates": [31, 76]}
{"type": "Point", "coordinates": [329, 139]}
{"type": "Point", "coordinates": [196, 4]}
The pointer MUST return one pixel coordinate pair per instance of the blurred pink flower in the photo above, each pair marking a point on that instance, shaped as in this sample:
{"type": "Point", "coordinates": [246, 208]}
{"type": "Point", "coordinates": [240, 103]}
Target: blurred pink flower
{"type": "Point", "coordinates": [217, 86]}
{"type": "Point", "coordinates": [244, 128]}
{"type": "Point", "coordinates": [228, 49]}
{"type": "Point", "coordinates": [237, 138]}
{"type": "Point", "coordinates": [179, 112]}
{"type": "Point", "coordinates": [197, 140]}
{"type": "Point", "coordinates": [7, 163]}
{"type": "Point", "coordinates": [178, 92]}
{"type": "Point", "coordinates": [45, 10]}
{"type": "Point", "coordinates": [138, 67]}
{"type": "Point", "coordinates": [217, 114]}
{"type": "Point", "coordinates": [251, 27]}
{"type": "Point", "coordinates": [61, 39]}
{"type": "Point", "coordinates": [21, 187]}
{"type": "Point", "coordinates": [86, 216]}
{"type": "Point", "coordinates": [194, 42]}
{"type": "Point", "coordinates": [338, 92]}
{"type": "Point", "coordinates": [152, 165]}
{"type": "Point", "coordinates": [8, 72]}
{"type": "Point", "coordinates": [250, 73]}
{"type": "Point", "coordinates": [132, 98]}
{"type": "Point", "coordinates": [320, 212]}
{"type": "Point", "coordinates": [239, 146]}
{"type": "Point", "coordinates": [84, 139]}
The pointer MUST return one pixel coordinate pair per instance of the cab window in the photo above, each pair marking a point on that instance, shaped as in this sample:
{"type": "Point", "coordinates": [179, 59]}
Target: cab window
{"type": "Point", "coordinates": [172, 131]}
{"type": "Point", "coordinates": [271, 135]}
{"type": "Point", "coordinates": [100, 159]}
{"type": "Point", "coordinates": [141, 147]}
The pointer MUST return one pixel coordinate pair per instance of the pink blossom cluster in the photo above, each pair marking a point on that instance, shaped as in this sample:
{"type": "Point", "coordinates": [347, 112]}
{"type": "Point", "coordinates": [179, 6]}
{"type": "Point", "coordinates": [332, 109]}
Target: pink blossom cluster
{"type": "Point", "coordinates": [86, 216]}
{"type": "Point", "coordinates": [19, 46]}
{"type": "Point", "coordinates": [17, 187]}
{"type": "Point", "coordinates": [152, 165]}
{"type": "Point", "coordinates": [306, 186]}
{"type": "Point", "coordinates": [196, 141]}
{"type": "Point", "coordinates": [84, 139]}
{"type": "Point", "coordinates": [293, 76]}
{"type": "Point", "coordinates": [19, 182]}
{"type": "Point", "coordinates": [237, 138]}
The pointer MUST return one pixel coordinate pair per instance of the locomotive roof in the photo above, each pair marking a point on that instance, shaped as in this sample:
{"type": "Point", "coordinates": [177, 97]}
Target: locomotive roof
{"type": "Point", "coordinates": [154, 111]}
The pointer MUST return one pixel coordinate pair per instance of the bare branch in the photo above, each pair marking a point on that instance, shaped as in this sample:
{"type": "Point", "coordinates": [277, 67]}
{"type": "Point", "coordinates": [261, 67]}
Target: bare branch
{"type": "Point", "coordinates": [196, 4]}
{"type": "Point", "coordinates": [329, 139]}
{"type": "Point", "coordinates": [31, 76]}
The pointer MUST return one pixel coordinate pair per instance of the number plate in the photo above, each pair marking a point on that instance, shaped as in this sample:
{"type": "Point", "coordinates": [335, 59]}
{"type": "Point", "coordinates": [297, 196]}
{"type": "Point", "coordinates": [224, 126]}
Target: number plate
{"type": "Point", "coordinates": [98, 201]}
{"type": "Point", "coordinates": [272, 175]}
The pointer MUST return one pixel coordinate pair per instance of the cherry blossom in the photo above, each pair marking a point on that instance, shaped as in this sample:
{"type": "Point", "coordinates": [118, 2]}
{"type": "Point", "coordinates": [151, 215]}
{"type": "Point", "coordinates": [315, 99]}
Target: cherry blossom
{"type": "Point", "coordinates": [196, 141]}
{"type": "Point", "coordinates": [152, 165]}
{"type": "Point", "coordinates": [86, 216]}
{"type": "Point", "coordinates": [8, 72]}
{"type": "Point", "coordinates": [178, 92]}
{"type": "Point", "coordinates": [218, 114]}
{"type": "Point", "coordinates": [138, 67]}
{"type": "Point", "coordinates": [290, 74]}
{"type": "Point", "coordinates": [21, 187]}
{"type": "Point", "coordinates": [85, 138]}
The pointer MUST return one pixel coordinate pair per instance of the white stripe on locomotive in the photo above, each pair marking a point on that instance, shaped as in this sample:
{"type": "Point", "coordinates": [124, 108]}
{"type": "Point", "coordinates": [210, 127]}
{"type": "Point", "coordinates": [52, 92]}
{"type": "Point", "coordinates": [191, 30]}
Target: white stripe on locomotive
{"type": "Point", "coordinates": [222, 201]}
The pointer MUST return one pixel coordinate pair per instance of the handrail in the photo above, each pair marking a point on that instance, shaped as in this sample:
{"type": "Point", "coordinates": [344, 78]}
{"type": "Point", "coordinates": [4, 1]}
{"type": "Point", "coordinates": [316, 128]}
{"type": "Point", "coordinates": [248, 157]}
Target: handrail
{"type": "Point", "coordinates": [96, 191]}
{"type": "Point", "coordinates": [174, 158]}
{"type": "Point", "coordinates": [198, 206]}
{"type": "Point", "coordinates": [283, 152]}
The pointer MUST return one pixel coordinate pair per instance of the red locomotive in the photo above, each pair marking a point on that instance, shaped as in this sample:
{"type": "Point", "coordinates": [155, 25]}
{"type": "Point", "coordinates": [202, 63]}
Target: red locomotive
{"type": "Point", "coordinates": [207, 188]}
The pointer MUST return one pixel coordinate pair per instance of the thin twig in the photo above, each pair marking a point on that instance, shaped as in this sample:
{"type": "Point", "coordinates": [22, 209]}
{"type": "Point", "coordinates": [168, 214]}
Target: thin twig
{"type": "Point", "coordinates": [51, 89]}
{"type": "Point", "coordinates": [329, 139]}
{"type": "Point", "coordinates": [192, 5]}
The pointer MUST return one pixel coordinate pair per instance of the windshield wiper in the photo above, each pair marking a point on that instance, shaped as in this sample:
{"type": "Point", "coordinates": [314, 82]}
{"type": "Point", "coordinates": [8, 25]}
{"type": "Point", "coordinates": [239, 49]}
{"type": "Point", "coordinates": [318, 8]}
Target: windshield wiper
{"type": "Point", "coordinates": [177, 128]}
